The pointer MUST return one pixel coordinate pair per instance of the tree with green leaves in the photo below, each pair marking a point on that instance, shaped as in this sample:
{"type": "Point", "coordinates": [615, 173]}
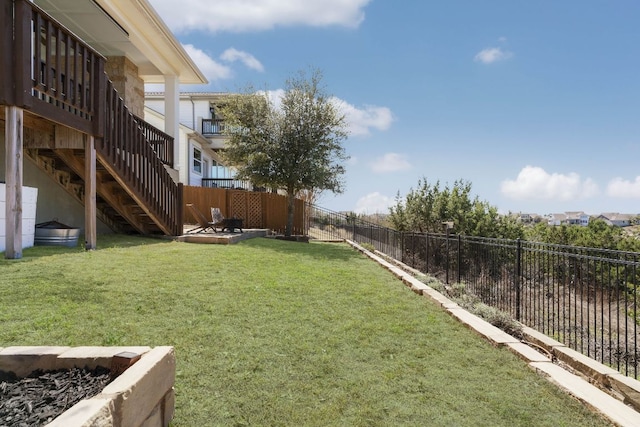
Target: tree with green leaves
{"type": "Point", "coordinates": [294, 144]}
{"type": "Point", "coordinates": [428, 206]}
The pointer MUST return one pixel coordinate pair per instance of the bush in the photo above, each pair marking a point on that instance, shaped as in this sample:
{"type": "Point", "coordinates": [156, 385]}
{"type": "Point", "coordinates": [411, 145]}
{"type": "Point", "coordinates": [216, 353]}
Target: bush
{"type": "Point", "coordinates": [472, 303]}
{"type": "Point", "coordinates": [368, 246]}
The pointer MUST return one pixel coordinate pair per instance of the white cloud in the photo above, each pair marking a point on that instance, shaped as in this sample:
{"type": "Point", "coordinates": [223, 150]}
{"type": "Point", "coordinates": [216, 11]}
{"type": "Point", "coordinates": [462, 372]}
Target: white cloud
{"type": "Point", "coordinates": [535, 183]}
{"type": "Point", "coordinates": [374, 203]}
{"type": "Point", "coordinates": [391, 162]}
{"type": "Point", "coordinates": [209, 67]}
{"type": "Point", "coordinates": [492, 54]}
{"type": "Point", "coordinates": [257, 15]}
{"type": "Point", "coordinates": [233, 55]}
{"type": "Point", "coordinates": [361, 120]}
{"type": "Point", "coordinates": [622, 188]}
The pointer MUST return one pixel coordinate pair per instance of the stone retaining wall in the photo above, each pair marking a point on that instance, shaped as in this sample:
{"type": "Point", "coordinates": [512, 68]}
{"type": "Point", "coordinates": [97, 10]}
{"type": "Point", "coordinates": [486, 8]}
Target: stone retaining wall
{"type": "Point", "coordinates": [142, 396]}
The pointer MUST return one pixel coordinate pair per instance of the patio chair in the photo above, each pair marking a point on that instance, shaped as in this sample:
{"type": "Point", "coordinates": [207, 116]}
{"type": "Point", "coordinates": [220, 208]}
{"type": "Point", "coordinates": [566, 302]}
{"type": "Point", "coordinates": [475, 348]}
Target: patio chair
{"type": "Point", "coordinates": [203, 223]}
{"type": "Point", "coordinates": [226, 223]}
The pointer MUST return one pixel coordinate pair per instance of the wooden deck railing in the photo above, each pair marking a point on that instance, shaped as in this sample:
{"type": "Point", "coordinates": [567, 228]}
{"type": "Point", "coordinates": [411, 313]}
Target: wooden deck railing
{"type": "Point", "coordinates": [161, 142]}
{"type": "Point", "coordinates": [128, 151]}
{"type": "Point", "coordinates": [50, 72]}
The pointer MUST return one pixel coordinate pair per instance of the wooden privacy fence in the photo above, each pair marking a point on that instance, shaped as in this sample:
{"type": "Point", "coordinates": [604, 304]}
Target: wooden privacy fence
{"type": "Point", "coordinates": [257, 209]}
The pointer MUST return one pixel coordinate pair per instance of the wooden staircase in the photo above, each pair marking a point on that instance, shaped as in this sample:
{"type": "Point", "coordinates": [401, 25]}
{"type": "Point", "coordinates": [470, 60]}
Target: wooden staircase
{"type": "Point", "coordinates": [69, 102]}
{"type": "Point", "coordinates": [114, 206]}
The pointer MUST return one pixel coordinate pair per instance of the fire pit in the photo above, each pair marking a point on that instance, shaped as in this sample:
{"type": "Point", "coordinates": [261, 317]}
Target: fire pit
{"type": "Point", "coordinates": [142, 395]}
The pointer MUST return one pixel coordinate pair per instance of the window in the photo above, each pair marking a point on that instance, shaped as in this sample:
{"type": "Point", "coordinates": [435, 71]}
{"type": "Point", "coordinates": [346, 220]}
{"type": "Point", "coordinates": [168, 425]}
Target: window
{"type": "Point", "coordinates": [197, 160]}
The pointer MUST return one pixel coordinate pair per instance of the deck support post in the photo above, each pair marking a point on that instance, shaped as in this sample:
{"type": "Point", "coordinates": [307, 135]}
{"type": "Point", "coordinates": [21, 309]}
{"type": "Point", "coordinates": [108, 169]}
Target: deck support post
{"type": "Point", "coordinates": [90, 210]}
{"type": "Point", "coordinates": [13, 168]}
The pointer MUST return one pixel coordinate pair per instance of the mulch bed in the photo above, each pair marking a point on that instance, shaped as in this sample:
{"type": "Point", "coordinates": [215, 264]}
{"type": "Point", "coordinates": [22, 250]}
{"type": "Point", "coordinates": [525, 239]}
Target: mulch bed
{"type": "Point", "coordinates": [38, 399]}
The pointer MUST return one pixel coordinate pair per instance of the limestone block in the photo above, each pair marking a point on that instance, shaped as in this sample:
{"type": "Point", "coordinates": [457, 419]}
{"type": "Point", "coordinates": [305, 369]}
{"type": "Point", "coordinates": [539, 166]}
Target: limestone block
{"type": "Point", "coordinates": [416, 285]}
{"type": "Point", "coordinates": [168, 407]}
{"type": "Point", "coordinates": [540, 339]}
{"type": "Point", "coordinates": [92, 357]}
{"type": "Point", "coordinates": [154, 419]}
{"type": "Point", "coordinates": [612, 408]}
{"type": "Point", "coordinates": [439, 298]}
{"type": "Point", "coordinates": [24, 360]}
{"type": "Point", "coordinates": [492, 333]}
{"type": "Point", "coordinates": [527, 353]}
{"type": "Point", "coordinates": [584, 364]}
{"type": "Point", "coordinates": [95, 412]}
{"type": "Point", "coordinates": [628, 387]}
{"type": "Point", "coordinates": [143, 386]}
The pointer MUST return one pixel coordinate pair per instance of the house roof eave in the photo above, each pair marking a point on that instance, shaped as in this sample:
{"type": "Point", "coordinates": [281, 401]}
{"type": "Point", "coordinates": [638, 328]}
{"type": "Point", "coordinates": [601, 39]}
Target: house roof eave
{"type": "Point", "coordinates": [129, 28]}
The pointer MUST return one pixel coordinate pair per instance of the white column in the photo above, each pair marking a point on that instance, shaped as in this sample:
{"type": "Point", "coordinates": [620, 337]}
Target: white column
{"type": "Point", "coordinates": [172, 116]}
{"type": "Point", "coordinates": [13, 168]}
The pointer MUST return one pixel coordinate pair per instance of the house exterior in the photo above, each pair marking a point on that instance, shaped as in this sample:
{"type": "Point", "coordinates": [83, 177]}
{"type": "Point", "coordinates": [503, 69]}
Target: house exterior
{"type": "Point", "coordinates": [569, 218]}
{"type": "Point", "coordinates": [617, 219]}
{"type": "Point", "coordinates": [74, 118]}
{"type": "Point", "coordinates": [205, 139]}
{"type": "Point", "coordinates": [528, 218]}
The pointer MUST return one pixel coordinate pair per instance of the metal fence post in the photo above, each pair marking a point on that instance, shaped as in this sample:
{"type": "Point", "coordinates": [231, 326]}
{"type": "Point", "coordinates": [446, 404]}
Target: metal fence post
{"type": "Point", "coordinates": [459, 259]}
{"type": "Point", "coordinates": [426, 253]}
{"type": "Point", "coordinates": [517, 278]}
{"type": "Point", "coordinates": [413, 249]}
{"type": "Point", "coordinates": [446, 267]}
{"type": "Point", "coordinates": [354, 230]}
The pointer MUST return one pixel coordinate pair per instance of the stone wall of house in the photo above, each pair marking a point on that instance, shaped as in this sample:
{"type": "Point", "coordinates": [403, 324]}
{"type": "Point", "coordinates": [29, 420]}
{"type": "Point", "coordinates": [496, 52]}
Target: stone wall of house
{"type": "Point", "coordinates": [124, 75]}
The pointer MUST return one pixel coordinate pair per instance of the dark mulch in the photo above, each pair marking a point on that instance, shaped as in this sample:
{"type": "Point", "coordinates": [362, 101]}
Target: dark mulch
{"type": "Point", "coordinates": [39, 398]}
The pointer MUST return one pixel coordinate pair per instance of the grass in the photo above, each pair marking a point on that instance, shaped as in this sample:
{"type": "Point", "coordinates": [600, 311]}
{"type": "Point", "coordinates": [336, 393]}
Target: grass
{"type": "Point", "coordinates": [270, 332]}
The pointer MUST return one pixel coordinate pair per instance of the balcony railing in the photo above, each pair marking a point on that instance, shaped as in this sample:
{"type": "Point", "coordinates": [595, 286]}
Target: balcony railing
{"type": "Point", "coordinates": [227, 183]}
{"type": "Point", "coordinates": [48, 70]}
{"type": "Point", "coordinates": [212, 126]}
{"type": "Point", "coordinates": [161, 142]}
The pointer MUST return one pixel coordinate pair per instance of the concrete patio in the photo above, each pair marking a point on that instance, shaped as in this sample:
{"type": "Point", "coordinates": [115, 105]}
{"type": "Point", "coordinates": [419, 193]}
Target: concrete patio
{"type": "Point", "coordinates": [219, 238]}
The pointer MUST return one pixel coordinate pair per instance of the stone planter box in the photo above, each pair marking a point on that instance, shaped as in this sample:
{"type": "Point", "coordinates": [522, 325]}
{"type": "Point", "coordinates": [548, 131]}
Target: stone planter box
{"type": "Point", "coordinates": [141, 396]}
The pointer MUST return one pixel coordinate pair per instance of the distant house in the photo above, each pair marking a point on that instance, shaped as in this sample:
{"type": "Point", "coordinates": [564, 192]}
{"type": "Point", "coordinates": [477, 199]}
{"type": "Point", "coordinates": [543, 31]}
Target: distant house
{"type": "Point", "coordinates": [569, 218]}
{"type": "Point", "coordinates": [556, 219]}
{"type": "Point", "coordinates": [617, 219]}
{"type": "Point", "coordinates": [528, 218]}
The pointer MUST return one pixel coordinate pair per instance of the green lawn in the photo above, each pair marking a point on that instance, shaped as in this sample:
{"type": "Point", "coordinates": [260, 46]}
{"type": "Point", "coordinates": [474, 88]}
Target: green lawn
{"type": "Point", "coordinates": [277, 333]}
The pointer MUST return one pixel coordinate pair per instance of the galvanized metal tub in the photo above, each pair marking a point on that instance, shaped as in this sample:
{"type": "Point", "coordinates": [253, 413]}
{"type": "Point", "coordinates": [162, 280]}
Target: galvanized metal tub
{"type": "Point", "coordinates": [54, 233]}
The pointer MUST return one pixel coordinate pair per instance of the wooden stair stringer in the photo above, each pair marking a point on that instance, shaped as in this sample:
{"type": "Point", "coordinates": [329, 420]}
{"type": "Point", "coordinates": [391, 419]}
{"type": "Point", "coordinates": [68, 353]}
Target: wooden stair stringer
{"type": "Point", "coordinates": [140, 203]}
{"type": "Point", "coordinates": [107, 191]}
{"type": "Point", "coordinates": [47, 165]}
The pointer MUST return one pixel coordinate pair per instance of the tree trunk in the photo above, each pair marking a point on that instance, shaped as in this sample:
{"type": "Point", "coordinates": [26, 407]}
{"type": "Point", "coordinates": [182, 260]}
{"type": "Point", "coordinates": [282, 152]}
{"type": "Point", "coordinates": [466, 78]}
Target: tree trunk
{"type": "Point", "coordinates": [291, 198]}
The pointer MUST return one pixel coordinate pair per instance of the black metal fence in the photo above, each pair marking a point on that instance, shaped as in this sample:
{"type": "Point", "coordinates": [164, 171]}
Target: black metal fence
{"type": "Point", "coordinates": [586, 298]}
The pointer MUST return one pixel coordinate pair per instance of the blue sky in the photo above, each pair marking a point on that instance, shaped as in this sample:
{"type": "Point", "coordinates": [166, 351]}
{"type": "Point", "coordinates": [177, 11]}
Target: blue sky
{"type": "Point", "coordinates": [536, 103]}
